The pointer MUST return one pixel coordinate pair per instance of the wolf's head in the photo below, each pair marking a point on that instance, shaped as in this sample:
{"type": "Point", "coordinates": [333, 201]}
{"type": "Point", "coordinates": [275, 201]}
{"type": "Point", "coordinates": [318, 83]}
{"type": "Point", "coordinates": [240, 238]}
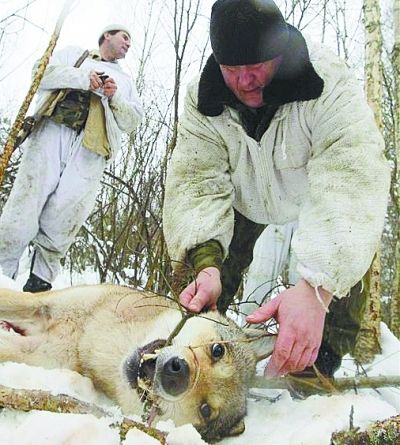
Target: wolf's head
{"type": "Point", "coordinates": [203, 377]}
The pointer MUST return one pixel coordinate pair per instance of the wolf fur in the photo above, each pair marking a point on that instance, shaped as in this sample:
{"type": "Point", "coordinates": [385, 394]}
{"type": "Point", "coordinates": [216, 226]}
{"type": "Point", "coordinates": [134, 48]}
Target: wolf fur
{"type": "Point", "coordinates": [115, 335]}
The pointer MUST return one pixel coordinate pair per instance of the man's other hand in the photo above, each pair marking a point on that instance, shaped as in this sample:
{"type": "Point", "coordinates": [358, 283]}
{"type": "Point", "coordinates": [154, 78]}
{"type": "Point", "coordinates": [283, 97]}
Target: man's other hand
{"type": "Point", "coordinates": [203, 292]}
{"type": "Point", "coordinates": [110, 87]}
{"type": "Point", "coordinates": [301, 318]}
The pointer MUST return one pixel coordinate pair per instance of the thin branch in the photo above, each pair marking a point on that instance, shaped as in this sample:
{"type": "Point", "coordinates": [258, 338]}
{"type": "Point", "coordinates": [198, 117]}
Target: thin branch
{"type": "Point", "coordinates": [15, 13]}
{"type": "Point", "coordinates": [27, 400]}
{"type": "Point", "coordinates": [315, 385]}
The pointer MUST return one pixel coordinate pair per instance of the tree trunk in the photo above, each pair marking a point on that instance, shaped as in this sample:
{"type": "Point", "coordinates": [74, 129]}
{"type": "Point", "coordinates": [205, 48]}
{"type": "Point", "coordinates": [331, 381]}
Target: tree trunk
{"type": "Point", "coordinates": [395, 303]}
{"type": "Point", "coordinates": [19, 120]}
{"type": "Point", "coordinates": [368, 340]}
{"type": "Point", "coordinates": [386, 432]}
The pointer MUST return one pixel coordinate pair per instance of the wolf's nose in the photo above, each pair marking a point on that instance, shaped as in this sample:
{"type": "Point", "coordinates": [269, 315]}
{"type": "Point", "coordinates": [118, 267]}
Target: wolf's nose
{"type": "Point", "coordinates": [175, 376]}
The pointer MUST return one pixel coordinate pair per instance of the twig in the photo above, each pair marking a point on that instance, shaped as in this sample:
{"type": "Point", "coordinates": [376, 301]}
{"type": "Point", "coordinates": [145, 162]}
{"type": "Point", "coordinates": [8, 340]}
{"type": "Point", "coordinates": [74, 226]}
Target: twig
{"type": "Point", "coordinates": [179, 326]}
{"type": "Point", "coordinates": [325, 381]}
{"type": "Point", "coordinates": [25, 7]}
{"type": "Point", "coordinates": [313, 385]}
{"type": "Point", "coordinates": [351, 418]}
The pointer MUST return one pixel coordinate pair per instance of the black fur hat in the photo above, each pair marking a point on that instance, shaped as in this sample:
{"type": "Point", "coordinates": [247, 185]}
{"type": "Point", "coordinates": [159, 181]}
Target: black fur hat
{"type": "Point", "coordinates": [244, 32]}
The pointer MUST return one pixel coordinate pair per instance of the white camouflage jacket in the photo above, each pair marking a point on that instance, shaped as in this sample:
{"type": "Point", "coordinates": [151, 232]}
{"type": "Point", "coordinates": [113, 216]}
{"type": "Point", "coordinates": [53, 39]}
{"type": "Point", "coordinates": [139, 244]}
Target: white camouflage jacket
{"type": "Point", "coordinates": [319, 162]}
{"type": "Point", "coordinates": [123, 112]}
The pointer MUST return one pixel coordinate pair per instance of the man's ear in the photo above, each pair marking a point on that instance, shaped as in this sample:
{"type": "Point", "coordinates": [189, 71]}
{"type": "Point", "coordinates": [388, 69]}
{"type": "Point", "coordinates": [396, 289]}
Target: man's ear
{"type": "Point", "coordinates": [261, 341]}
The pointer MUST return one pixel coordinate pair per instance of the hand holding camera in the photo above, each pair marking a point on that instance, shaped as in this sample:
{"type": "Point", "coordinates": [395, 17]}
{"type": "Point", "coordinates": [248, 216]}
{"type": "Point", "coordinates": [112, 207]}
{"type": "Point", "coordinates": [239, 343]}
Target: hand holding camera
{"type": "Point", "coordinates": [102, 80]}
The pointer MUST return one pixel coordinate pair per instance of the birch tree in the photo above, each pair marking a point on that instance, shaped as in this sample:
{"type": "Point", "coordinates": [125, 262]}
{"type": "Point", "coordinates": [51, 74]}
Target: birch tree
{"type": "Point", "coordinates": [368, 341]}
{"type": "Point", "coordinates": [395, 303]}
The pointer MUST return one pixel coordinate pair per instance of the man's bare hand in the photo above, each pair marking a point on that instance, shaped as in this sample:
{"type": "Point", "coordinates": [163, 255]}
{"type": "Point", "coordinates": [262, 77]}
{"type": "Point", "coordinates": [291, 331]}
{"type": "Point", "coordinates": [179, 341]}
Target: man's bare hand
{"type": "Point", "coordinates": [95, 80]}
{"type": "Point", "coordinates": [203, 291]}
{"type": "Point", "coordinates": [107, 83]}
{"type": "Point", "coordinates": [301, 320]}
{"type": "Point", "coordinates": [110, 87]}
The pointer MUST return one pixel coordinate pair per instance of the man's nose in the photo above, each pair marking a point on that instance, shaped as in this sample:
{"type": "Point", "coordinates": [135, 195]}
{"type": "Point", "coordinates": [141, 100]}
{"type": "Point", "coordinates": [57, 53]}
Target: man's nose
{"type": "Point", "coordinates": [246, 77]}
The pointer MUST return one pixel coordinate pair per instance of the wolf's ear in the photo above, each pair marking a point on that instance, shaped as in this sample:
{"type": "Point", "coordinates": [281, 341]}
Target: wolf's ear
{"type": "Point", "coordinates": [237, 429]}
{"type": "Point", "coordinates": [261, 342]}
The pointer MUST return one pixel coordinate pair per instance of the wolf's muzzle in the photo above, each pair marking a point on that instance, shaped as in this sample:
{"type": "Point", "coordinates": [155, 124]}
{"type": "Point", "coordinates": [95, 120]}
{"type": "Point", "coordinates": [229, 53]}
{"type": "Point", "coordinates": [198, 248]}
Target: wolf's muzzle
{"type": "Point", "coordinates": [175, 376]}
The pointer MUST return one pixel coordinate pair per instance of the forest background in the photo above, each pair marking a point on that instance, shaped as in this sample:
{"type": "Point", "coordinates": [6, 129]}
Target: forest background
{"type": "Point", "coordinates": [122, 240]}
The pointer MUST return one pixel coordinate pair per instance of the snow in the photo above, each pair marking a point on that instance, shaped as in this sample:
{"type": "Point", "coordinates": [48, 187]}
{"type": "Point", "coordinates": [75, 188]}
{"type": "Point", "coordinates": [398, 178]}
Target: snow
{"type": "Point", "coordinates": [60, 381]}
{"type": "Point", "coordinates": [39, 427]}
{"type": "Point", "coordinates": [136, 436]}
{"type": "Point", "coordinates": [185, 435]}
{"type": "Point", "coordinates": [276, 418]}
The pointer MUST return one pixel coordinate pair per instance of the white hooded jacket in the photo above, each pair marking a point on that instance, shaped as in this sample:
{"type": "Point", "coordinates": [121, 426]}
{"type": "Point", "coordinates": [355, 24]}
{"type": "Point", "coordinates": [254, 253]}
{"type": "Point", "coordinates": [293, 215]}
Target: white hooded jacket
{"type": "Point", "coordinates": [123, 112]}
{"type": "Point", "coordinates": [320, 161]}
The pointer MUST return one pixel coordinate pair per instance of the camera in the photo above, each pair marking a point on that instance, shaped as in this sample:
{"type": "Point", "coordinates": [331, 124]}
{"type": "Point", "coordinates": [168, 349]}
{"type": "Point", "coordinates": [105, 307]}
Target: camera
{"type": "Point", "coordinates": [103, 77]}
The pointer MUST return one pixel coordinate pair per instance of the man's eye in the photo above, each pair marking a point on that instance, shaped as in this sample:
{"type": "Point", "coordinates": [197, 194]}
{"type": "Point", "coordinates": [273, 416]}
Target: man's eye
{"type": "Point", "coordinates": [205, 411]}
{"type": "Point", "coordinates": [230, 68]}
{"type": "Point", "coordinates": [217, 350]}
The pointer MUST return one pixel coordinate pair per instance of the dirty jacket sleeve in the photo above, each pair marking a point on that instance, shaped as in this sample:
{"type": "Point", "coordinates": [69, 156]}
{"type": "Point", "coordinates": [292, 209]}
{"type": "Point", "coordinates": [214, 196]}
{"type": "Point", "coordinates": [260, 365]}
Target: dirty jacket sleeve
{"type": "Point", "coordinates": [341, 219]}
{"type": "Point", "coordinates": [199, 192]}
{"type": "Point", "coordinates": [128, 111]}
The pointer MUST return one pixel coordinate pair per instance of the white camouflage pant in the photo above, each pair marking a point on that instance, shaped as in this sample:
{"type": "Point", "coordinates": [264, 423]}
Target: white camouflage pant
{"type": "Point", "coordinates": [271, 254]}
{"type": "Point", "coordinates": [53, 194]}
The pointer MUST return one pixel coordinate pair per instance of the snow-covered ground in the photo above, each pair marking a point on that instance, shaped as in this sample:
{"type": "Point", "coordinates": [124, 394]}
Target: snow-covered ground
{"type": "Point", "coordinates": [282, 422]}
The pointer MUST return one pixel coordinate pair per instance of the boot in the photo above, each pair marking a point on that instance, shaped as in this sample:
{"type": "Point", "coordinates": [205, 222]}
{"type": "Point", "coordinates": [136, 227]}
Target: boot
{"type": "Point", "coordinates": [328, 361]}
{"type": "Point", "coordinates": [36, 284]}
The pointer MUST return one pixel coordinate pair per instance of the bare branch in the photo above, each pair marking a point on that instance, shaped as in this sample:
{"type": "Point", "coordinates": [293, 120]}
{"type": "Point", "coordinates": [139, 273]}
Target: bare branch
{"type": "Point", "coordinates": [27, 400]}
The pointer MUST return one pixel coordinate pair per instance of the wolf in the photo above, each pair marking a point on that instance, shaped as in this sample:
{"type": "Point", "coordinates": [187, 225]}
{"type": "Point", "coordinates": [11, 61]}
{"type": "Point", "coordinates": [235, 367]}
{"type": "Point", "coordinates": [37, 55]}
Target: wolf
{"type": "Point", "coordinates": [117, 336]}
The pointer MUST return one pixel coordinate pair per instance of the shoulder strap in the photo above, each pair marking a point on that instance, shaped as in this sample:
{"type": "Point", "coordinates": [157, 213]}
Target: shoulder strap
{"type": "Point", "coordinates": [58, 95]}
{"type": "Point", "coordinates": [30, 122]}
{"type": "Point", "coordinates": [81, 59]}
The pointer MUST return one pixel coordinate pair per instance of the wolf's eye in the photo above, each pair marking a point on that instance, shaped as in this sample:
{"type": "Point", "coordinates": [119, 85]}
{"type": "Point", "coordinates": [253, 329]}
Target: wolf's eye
{"type": "Point", "coordinates": [217, 350]}
{"type": "Point", "coordinates": [205, 410]}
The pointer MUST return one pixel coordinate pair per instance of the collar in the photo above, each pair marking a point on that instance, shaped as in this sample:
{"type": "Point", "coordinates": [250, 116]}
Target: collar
{"type": "Point", "coordinates": [295, 80]}
{"type": "Point", "coordinates": [95, 55]}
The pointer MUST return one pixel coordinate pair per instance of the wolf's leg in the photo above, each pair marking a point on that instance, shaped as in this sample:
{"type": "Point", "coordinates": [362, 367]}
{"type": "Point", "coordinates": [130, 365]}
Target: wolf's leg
{"type": "Point", "coordinates": [24, 312]}
{"type": "Point", "coordinates": [32, 314]}
{"type": "Point", "coordinates": [15, 347]}
{"type": "Point", "coordinates": [20, 320]}
{"type": "Point", "coordinates": [43, 329]}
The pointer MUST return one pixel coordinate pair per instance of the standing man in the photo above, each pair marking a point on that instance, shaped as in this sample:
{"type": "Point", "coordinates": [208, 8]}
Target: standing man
{"type": "Point", "coordinates": [64, 158]}
{"type": "Point", "coordinates": [275, 131]}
